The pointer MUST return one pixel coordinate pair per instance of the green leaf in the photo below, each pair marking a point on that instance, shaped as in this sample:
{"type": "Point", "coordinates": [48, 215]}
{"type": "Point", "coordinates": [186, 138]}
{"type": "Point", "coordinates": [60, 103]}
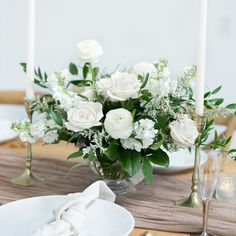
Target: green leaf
{"type": "Point", "coordinates": [39, 83]}
{"type": "Point", "coordinates": [81, 82]}
{"type": "Point", "coordinates": [231, 106]}
{"type": "Point", "coordinates": [40, 73]}
{"type": "Point", "coordinates": [159, 157]}
{"type": "Point", "coordinates": [86, 70]}
{"type": "Point", "coordinates": [216, 101]}
{"type": "Point", "coordinates": [112, 152]}
{"type": "Point", "coordinates": [157, 145]}
{"type": "Point", "coordinates": [146, 95]}
{"type": "Point", "coordinates": [24, 66]}
{"type": "Point", "coordinates": [207, 94]}
{"type": "Point", "coordinates": [75, 154]}
{"type": "Point", "coordinates": [73, 69]}
{"type": "Point", "coordinates": [161, 121]}
{"type": "Point", "coordinates": [95, 71]}
{"type": "Point", "coordinates": [215, 91]}
{"type": "Point", "coordinates": [232, 151]}
{"type": "Point", "coordinates": [130, 160]}
{"type": "Point", "coordinates": [77, 166]}
{"type": "Point", "coordinates": [147, 170]}
{"type": "Point", "coordinates": [54, 116]}
{"type": "Point", "coordinates": [145, 81]}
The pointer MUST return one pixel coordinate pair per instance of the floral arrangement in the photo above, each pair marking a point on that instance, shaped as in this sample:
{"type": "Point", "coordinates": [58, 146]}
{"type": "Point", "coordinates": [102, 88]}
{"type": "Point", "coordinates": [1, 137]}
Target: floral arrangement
{"type": "Point", "coordinates": [125, 120]}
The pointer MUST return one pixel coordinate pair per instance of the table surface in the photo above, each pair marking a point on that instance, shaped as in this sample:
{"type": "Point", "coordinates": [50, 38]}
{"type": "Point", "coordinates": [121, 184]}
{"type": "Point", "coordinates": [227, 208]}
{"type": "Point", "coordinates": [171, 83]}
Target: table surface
{"type": "Point", "coordinates": [62, 150]}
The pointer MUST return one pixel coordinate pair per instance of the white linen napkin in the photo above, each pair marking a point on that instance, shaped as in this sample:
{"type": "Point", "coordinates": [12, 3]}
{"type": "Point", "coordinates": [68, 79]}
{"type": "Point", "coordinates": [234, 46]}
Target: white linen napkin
{"type": "Point", "coordinates": [70, 217]}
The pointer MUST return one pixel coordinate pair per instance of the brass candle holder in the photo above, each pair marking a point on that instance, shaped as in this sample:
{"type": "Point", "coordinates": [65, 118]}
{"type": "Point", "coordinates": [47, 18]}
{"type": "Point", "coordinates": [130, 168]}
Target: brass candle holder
{"type": "Point", "coordinates": [194, 200]}
{"type": "Point", "coordinates": [27, 177]}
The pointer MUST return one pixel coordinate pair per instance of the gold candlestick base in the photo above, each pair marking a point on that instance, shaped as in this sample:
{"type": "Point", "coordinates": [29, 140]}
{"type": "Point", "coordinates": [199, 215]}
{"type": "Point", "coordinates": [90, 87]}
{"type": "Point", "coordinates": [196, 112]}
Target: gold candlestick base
{"type": "Point", "coordinates": [27, 178]}
{"type": "Point", "coordinates": [194, 200]}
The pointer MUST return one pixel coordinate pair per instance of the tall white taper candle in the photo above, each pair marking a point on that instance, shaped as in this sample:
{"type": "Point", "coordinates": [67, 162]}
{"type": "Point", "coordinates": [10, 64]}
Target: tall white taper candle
{"type": "Point", "coordinates": [30, 51]}
{"type": "Point", "coordinates": [201, 64]}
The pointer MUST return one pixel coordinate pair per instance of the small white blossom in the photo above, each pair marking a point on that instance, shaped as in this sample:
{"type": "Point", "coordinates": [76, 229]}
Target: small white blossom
{"type": "Point", "coordinates": [23, 129]}
{"type": "Point", "coordinates": [131, 143]}
{"type": "Point", "coordinates": [165, 74]}
{"type": "Point", "coordinates": [58, 78]}
{"type": "Point", "coordinates": [51, 137]}
{"type": "Point", "coordinates": [37, 129]}
{"type": "Point", "coordinates": [159, 87]}
{"type": "Point", "coordinates": [145, 131]}
{"type": "Point", "coordinates": [65, 97]}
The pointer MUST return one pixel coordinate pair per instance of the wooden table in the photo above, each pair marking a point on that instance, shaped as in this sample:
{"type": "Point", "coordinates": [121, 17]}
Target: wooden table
{"type": "Point", "coordinates": [62, 150]}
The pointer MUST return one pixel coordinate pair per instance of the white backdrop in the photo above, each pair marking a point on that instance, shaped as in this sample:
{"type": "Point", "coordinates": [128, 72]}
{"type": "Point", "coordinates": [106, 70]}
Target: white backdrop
{"type": "Point", "coordinates": [129, 30]}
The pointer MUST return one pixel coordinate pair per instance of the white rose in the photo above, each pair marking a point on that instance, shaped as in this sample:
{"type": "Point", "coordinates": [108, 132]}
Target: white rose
{"type": "Point", "coordinates": [89, 50]}
{"type": "Point", "coordinates": [144, 68]}
{"type": "Point", "coordinates": [183, 132]}
{"type": "Point", "coordinates": [119, 123]}
{"type": "Point", "coordinates": [84, 116]}
{"type": "Point", "coordinates": [120, 87]}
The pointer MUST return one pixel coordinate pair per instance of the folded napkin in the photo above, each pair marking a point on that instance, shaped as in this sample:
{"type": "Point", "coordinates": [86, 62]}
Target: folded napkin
{"type": "Point", "coordinates": [69, 218]}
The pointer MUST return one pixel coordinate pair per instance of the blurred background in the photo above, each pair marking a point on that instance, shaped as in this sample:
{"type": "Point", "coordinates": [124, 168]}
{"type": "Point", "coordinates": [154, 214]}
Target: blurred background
{"type": "Point", "coordinates": [129, 30]}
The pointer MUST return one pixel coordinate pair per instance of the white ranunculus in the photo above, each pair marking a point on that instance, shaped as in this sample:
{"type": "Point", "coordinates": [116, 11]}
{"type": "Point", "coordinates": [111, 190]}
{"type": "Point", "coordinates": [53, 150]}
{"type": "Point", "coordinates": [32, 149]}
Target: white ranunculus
{"type": "Point", "coordinates": [119, 123]}
{"type": "Point", "coordinates": [183, 131]}
{"type": "Point", "coordinates": [84, 116]}
{"type": "Point", "coordinates": [144, 68]}
{"type": "Point", "coordinates": [89, 50]}
{"type": "Point", "coordinates": [120, 87]}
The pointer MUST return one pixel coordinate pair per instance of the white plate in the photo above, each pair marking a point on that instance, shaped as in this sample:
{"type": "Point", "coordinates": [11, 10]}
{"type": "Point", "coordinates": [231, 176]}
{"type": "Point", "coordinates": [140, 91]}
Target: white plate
{"type": "Point", "coordinates": [9, 113]}
{"type": "Point", "coordinates": [104, 218]}
{"type": "Point", "coordinates": [179, 161]}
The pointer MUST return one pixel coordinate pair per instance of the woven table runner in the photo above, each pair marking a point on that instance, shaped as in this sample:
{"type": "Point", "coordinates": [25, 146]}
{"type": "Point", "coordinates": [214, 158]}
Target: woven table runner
{"type": "Point", "coordinates": [152, 205]}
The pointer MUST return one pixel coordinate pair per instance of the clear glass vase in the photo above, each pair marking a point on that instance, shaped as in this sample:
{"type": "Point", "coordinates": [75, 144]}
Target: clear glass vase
{"type": "Point", "coordinates": [115, 178]}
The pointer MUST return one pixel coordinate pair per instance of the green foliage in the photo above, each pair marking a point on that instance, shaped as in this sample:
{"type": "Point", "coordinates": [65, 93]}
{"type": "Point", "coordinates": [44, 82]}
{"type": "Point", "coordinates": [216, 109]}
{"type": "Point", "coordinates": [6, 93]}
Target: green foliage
{"type": "Point", "coordinates": [157, 145]}
{"type": "Point", "coordinates": [215, 102]}
{"type": "Point", "coordinates": [131, 161]}
{"type": "Point", "coordinates": [86, 69]}
{"type": "Point", "coordinates": [112, 151]}
{"type": "Point", "coordinates": [75, 154]}
{"type": "Point", "coordinates": [158, 157]}
{"type": "Point", "coordinates": [232, 154]}
{"type": "Point", "coordinates": [55, 117]}
{"type": "Point", "coordinates": [204, 133]}
{"type": "Point", "coordinates": [215, 91]}
{"type": "Point", "coordinates": [73, 69]}
{"type": "Point", "coordinates": [146, 95]}
{"type": "Point", "coordinates": [162, 121]}
{"type": "Point", "coordinates": [24, 66]}
{"type": "Point", "coordinates": [231, 106]}
{"type": "Point", "coordinates": [220, 142]}
{"type": "Point", "coordinates": [81, 82]}
{"type": "Point", "coordinates": [41, 78]}
{"type": "Point", "coordinates": [147, 170]}
{"type": "Point", "coordinates": [95, 72]}
{"type": "Point", "coordinates": [145, 81]}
